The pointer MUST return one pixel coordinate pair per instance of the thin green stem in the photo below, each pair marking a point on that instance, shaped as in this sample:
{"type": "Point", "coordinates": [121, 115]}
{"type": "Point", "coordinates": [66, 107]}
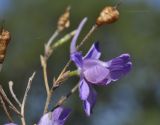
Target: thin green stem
{"type": "Point", "coordinates": [63, 40]}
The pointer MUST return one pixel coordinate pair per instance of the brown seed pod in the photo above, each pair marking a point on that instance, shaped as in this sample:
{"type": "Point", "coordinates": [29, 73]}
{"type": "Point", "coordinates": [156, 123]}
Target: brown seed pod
{"type": "Point", "coordinates": [63, 21]}
{"type": "Point", "coordinates": [107, 16]}
{"type": "Point", "coordinates": [4, 40]}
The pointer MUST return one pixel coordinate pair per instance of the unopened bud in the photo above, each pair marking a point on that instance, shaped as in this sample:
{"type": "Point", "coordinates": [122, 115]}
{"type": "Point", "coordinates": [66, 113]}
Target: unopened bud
{"type": "Point", "coordinates": [4, 40]}
{"type": "Point", "coordinates": [64, 21]}
{"type": "Point", "coordinates": [107, 16]}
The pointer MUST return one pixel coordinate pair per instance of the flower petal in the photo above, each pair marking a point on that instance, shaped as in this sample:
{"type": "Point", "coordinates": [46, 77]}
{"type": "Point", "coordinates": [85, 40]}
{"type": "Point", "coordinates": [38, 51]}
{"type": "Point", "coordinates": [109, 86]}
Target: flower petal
{"type": "Point", "coordinates": [84, 89]}
{"type": "Point", "coordinates": [57, 117]}
{"type": "Point", "coordinates": [74, 40]}
{"type": "Point", "coordinates": [89, 103]}
{"type": "Point", "coordinates": [95, 73]}
{"type": "Point", "coordinates": [46, 119]}
{"type": "Point", "coordinates": [77, 58]}
{"type": "Point", "coordinates": [94, 52]}
{"type": "Point", "coordinates": [119, 66]}
{"type": "Point", "coordinates": [61, 114]}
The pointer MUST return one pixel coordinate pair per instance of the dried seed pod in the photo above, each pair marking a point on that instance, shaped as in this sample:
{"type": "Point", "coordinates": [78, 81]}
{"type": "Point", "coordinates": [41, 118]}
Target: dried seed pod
{"type": "Point", "coordinates": [4, 40]}
{"type": "Point", "coordinates": [64, 21]}
{"type": "Point", "coordinates": [108, 15]}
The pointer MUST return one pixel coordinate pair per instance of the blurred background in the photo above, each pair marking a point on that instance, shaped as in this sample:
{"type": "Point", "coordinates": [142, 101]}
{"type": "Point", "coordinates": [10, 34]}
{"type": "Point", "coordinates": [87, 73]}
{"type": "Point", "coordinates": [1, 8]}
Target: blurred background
{"type": "Point", "coordinates": [133, 100]}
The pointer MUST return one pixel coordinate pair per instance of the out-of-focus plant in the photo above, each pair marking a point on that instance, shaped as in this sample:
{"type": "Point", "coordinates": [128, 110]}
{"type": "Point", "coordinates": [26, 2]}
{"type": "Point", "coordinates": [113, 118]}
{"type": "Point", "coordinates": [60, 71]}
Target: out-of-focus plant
{"type": "Point", "coordinates": [91, 70]}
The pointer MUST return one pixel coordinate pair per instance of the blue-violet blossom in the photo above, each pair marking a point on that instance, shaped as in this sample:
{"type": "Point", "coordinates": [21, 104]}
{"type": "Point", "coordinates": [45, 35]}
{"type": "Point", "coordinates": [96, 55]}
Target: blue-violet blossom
{"type": "Point", "coordinates": [57, 117]}
{"type": "Point", "coordinates": [93, 71]}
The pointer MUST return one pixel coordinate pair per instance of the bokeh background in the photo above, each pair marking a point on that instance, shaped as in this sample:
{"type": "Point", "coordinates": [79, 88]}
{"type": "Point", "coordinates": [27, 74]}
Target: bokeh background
{"type": "Point", "coordinates": [133, 100]}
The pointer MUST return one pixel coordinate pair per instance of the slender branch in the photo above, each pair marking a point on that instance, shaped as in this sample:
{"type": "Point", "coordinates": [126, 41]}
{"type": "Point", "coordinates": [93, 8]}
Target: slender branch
{"type": "Point", "coordinates": [4, 96]}
{"type": "Point", "coordinates": [13, 94]}
{"type": "Point", "coordinates": [51, 39]}
{"type": "Point", "coordinates": [44, 58]}
{"type": "Point", "coordinates": [5, 109]}
{"type": "Point", "coordinates": [64, 77]}
{"type": "Point", "coordinates": [94, 27]}
{"type": "Point", "coordinates": [44, 65]}
{"type": "Point", "coordinates": [58, 43]}
{"type": "Point", "coordinates": [47, 101]}
{"type": "Point", "coordinates": [25, 98]}
{"type": "Point", "coordinates": [64, 98]}
{"type": "Point", "coordinates": [45, 76]}
{"type": "Point", "coordinates": [56, 82]}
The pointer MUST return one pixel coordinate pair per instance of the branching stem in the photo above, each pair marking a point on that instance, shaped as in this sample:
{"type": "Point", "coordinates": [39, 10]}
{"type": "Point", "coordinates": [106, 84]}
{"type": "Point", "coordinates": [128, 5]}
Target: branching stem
{"type": "Point", "coordinates": [25, 98]}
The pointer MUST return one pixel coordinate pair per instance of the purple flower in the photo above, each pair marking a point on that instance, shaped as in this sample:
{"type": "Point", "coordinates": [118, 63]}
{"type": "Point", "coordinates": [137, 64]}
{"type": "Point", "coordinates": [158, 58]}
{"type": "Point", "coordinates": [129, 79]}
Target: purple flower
{"type": "Point", "coordinates": [96, 72]}
{"type": "Point", "coordinates": [57, 117]}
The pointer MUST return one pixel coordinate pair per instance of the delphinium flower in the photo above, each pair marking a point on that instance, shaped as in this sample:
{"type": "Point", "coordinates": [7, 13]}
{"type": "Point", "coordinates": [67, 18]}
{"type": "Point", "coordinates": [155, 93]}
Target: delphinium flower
{"type": "Point", "coordinates": [93, 71]}
{"type": "Point", "coordinates": [57, 117]}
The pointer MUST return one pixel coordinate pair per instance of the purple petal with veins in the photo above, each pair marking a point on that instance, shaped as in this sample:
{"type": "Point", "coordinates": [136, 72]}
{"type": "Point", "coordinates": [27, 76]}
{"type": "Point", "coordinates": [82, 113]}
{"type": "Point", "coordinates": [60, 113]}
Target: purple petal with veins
{"type": "Point", "coordinates": [84, 89]}
{"type": "Point", "coordinates": [96, 74]}
{"type": "Point", "coordinates": [119, 66]}
{"type": "Point", "coordinates": [76, 57]}
{"type": "Point", "coordinates": [94, 52]}
{"type": "Point", "coordinates": [89, 103]}
{"type": "Point", "coordinates": [74, 40]}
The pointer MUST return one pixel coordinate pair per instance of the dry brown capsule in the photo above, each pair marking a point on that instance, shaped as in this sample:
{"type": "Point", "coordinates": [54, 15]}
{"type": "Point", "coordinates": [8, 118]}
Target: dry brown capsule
{"type": "Point", "coordinates": [108, 15]}
{"type": "Point", "coordinates": [4, 40]}
{"type": "Point", "coordinates": [63, 21]}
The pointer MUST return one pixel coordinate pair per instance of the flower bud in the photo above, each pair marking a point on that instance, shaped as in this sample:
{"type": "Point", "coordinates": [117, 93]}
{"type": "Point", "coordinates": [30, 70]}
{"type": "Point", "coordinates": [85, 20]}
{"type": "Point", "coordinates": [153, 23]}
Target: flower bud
{"type": "Point", "coordinates": [107, 16]}
{"type": "Point", "coordinates": [63, 21]}
{"type": "Point", "coordinates": [4, 40]}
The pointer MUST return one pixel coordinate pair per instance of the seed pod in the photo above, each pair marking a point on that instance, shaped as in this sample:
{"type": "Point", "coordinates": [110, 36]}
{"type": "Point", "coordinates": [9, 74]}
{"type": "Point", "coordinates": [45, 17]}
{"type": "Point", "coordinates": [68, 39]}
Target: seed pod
{"type": "Point", "coordinates": [4, 40]}
{"type": "Point", "coordinates": [64, 21]}
{"type": "Point", "coordinates": [107, 16]}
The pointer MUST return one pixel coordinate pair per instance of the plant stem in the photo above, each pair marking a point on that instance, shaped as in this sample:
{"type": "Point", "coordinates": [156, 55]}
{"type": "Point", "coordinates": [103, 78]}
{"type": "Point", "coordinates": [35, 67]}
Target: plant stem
{"type": "Point", "coordinates": [55, 34]}
{"type": "Point", "coordinates": [45, 76]}
{"type": "Point", "coordinates": [63, 40]}
{"type": "Point", "coordinates": [13, 94]}
{"type": "Point", "coordinates": [6, 99]}
{"type": "Point", "coordinates": [69, 74]}
{"type": "Point", "coordinates": [94, 27]}
{"type": "Point", "coordinates": [5, 109]}
{"type": "Point", "coordinates": [64, 98]}
{"type": "Point", "coordinates": [44, 60]}
{"type": "Point", "coordinates": [25, 98]}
